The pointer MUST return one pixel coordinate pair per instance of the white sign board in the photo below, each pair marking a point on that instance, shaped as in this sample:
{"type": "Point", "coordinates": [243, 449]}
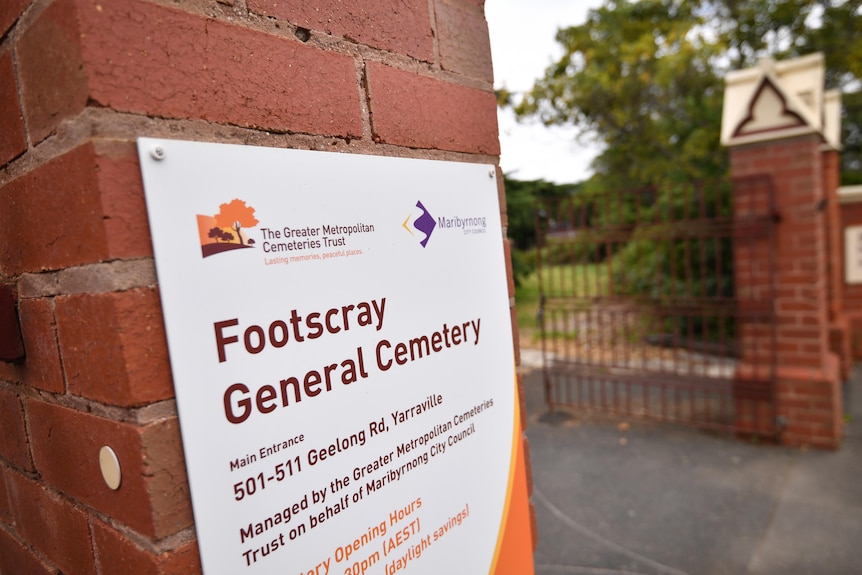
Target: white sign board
{"type": "Point", "coordinates": [853, 254]}
{"type": "Point", "coordinates": [341, 348]}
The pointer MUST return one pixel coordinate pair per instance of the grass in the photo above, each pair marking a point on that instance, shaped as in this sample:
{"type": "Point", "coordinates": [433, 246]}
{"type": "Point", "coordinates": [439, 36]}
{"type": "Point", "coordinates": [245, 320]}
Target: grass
{"type": "Point", "coordinates": [527, 302]}
{"type": "Point", "coordinates": [583, 280]}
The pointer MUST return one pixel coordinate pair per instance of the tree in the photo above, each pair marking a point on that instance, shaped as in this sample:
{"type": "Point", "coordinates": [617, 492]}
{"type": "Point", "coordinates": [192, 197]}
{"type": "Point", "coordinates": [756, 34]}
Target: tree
{"type": "Point", "coordinates": [219, 234]}
{"type": "Point", "coordinates": [524, 201]}
{"type": "Point", "coordinates": [646, 77]}
{"type": "Point", "coordinates": [524, 198]}
{"type": "Point", "coordinates": [236, 215]}
{"type": "Point", "coordinates": [851, 155]}
{"type": "Point", "coordinates": [215, 233]}
{"type": "Point", "coordinates": [640, 77]}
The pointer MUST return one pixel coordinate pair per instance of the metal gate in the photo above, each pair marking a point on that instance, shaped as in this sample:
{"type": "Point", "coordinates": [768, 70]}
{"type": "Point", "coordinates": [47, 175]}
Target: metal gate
{"type": "Point", "coordinates": [659, 304]}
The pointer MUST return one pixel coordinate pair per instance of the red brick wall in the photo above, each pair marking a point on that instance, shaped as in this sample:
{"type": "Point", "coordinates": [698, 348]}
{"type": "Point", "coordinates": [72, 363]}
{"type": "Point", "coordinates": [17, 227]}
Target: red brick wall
{"type": "Point", "coordinates": [800, 266]}
{"type": "Point", "coordinates": [80, 80]}
{"type": "Point", "coordinates": [808, 398]}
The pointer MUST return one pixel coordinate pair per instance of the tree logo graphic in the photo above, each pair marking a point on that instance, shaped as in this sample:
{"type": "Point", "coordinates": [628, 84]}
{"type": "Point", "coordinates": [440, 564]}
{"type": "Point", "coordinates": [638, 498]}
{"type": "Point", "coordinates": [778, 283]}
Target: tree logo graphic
{"type": "Point", "coordinates": [225, 230]}
{"type": "Point", "coordinates": [421, 222]}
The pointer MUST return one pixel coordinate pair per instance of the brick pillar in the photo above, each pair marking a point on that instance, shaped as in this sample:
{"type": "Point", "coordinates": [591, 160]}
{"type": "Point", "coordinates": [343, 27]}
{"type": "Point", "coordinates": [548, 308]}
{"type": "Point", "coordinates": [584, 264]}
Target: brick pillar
{"type": "Point", "coordinates": [80, 80]}
{"type": "Point", "coordinates": [807, 373]}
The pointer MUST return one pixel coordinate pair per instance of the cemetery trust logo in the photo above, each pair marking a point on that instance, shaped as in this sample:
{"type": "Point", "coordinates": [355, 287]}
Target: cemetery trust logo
{"type": "Point", "coordinates": [225, 231]}
{"type": "Point", "coordinates": [420, 222]}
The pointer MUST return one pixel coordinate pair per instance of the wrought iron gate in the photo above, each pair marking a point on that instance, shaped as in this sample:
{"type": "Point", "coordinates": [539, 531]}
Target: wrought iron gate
{"type": "Point", "coordinates": [659, 304]}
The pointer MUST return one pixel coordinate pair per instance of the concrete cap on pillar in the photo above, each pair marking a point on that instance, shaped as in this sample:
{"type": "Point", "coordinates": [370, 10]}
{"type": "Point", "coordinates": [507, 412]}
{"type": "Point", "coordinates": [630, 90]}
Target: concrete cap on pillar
{"type": "Point", "coordinates": [777, 100]}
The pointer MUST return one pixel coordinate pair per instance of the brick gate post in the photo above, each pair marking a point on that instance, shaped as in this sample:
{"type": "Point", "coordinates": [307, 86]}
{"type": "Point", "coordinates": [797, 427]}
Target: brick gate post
{"type": "Point", "coordinates": [778, 122]}
{"type": "Point", "coordinates": [83, 354]}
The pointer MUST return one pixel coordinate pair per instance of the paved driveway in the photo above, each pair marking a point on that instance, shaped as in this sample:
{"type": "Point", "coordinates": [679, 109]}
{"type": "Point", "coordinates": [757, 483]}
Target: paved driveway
{"type": "Point", "coordinates": [618, 496]}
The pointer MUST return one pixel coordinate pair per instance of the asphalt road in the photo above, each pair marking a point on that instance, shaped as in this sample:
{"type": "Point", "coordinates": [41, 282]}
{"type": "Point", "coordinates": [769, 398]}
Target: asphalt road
{"type": "Point", "coordinates": [617, 497]}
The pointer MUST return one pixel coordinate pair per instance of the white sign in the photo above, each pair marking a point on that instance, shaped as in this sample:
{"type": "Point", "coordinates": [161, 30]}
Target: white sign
{"type": "Point", "coordinates": [341, 348]}
{"type": "Point", "coordinates": [853, 254]}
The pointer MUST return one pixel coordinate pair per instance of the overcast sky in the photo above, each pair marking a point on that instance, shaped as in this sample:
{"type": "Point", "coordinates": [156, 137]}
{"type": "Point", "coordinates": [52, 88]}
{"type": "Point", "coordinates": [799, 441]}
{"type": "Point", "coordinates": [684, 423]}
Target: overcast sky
{"type": "Point", "coordinates": [522, 46]}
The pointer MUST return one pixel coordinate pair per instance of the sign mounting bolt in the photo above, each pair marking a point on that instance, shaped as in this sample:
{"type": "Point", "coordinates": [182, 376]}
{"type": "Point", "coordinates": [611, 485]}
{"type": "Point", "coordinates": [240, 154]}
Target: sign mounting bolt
{"type": "Point", "coordinates": [109, 463]}
{"type": "Point", "coordinates": [158, 153]}
{"type": "Point", "coordinates": [491, 173]}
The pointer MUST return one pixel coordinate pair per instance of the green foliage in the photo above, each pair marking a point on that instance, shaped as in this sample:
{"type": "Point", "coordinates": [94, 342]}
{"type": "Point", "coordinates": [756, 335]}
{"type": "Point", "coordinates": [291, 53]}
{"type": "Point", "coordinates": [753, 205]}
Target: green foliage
{"type": "Point", "coordinates": [851, 155]}
{"type": "Point", "coordinates": [640, 76]}
{"type": "Point", "coordinates": [523, 264]}
{"type": "Point", "coordinates": [657, 269]}
{"type": "Point", "coordinates": [527, 298]}
{"type": "Point", "coordinates": [588, 279]}
{"type": "Point", "coordinates": [646, 77]}
{"type": "Point", "coordinates": [523, 200]}
{"type": "Point", "coordinates": [787, 28]}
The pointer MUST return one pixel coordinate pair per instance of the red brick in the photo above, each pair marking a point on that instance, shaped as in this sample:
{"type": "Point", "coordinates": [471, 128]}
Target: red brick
{"type": "Point", "coordinates": [797, 306]}
{"type": "Point", "coordinates": [149, 59]}
{"type": "Point", "coordinates": [522, 403]}
{"type": "Point", "coordinates": [399, 26]}
{"type": "Point", "coordinates": [166, 477]}
{"type": "Point", "coordinates": [810, 390]}
{"type": "Point", "coordinates": [153, 497]}
{"type": "Point", "coordinates": [10, 372]}
{"type": "Point", "coordinates": [798, 430]}
{"type": "Point", "coordinates": [796, 403]}
{"type": "Point", "coordinates": [808, 293]}
{"type": "Point", "coordinates": [13, 141]}
{"type": "Point", "coordinates": [15, 558]}
{"type": "Point", "coordinates": [41, 368]}
{"type": "Point", "coordinates": [50, 65]}
{"type": "Point", "coordinates": [808, 320]}
{"type": "Point", "coordinates": [819, 418]}
{"type": "Point", "coordinates": [52, 525]}
{"type": "Point", "coordinates": [113, 347]}
{"type": "Point", "coordinates": [446, 117]}
{"type": "Point", "coordinates": [818, 347]}
{"type": "Point", "coordinates": [465, 47]}
{"type": "Point", "coordinates": [5, 510]}
{"type": "Point", "coordinates": [10, 10]}
{"type": "Point", "coordinates": [119, 555]}
{"type": "Point", "coordinates": [82, 207]}
{"type": "Point", "coordinates": [501, 190]}
{"type": "Point", "coordinates": [812, 333]}
{"type": "Point", "coordinates": [51, 217]}
{"type": "Point", "coordinates": [14, 447]}
{"type": "Point", "coordinates": [182, 561]}
{"type": "Point", "coordinates": [528, 465]}
{"type": "Point", "coordinates": [510, 274]}
{"type": "Point", "coordinates": [66, 446]}
{"type": "Point", "coordinates": [11, 343]}
{"type": "Point", "coordinates": [516, 335]}
{"type": "Point", "coordinates": [127, 229]}
{"type": "Point", "coordinates": [802, 360]}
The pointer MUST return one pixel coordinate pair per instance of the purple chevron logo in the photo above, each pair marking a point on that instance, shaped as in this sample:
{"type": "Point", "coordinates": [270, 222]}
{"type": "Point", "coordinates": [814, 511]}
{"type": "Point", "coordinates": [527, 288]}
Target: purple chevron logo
{"type": "Point", "coordinates": [423, 223]}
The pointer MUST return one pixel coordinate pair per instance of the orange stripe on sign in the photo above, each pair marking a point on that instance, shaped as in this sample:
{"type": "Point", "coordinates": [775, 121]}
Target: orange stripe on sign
{"type": "Point", "coordinates": [514, 553]}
